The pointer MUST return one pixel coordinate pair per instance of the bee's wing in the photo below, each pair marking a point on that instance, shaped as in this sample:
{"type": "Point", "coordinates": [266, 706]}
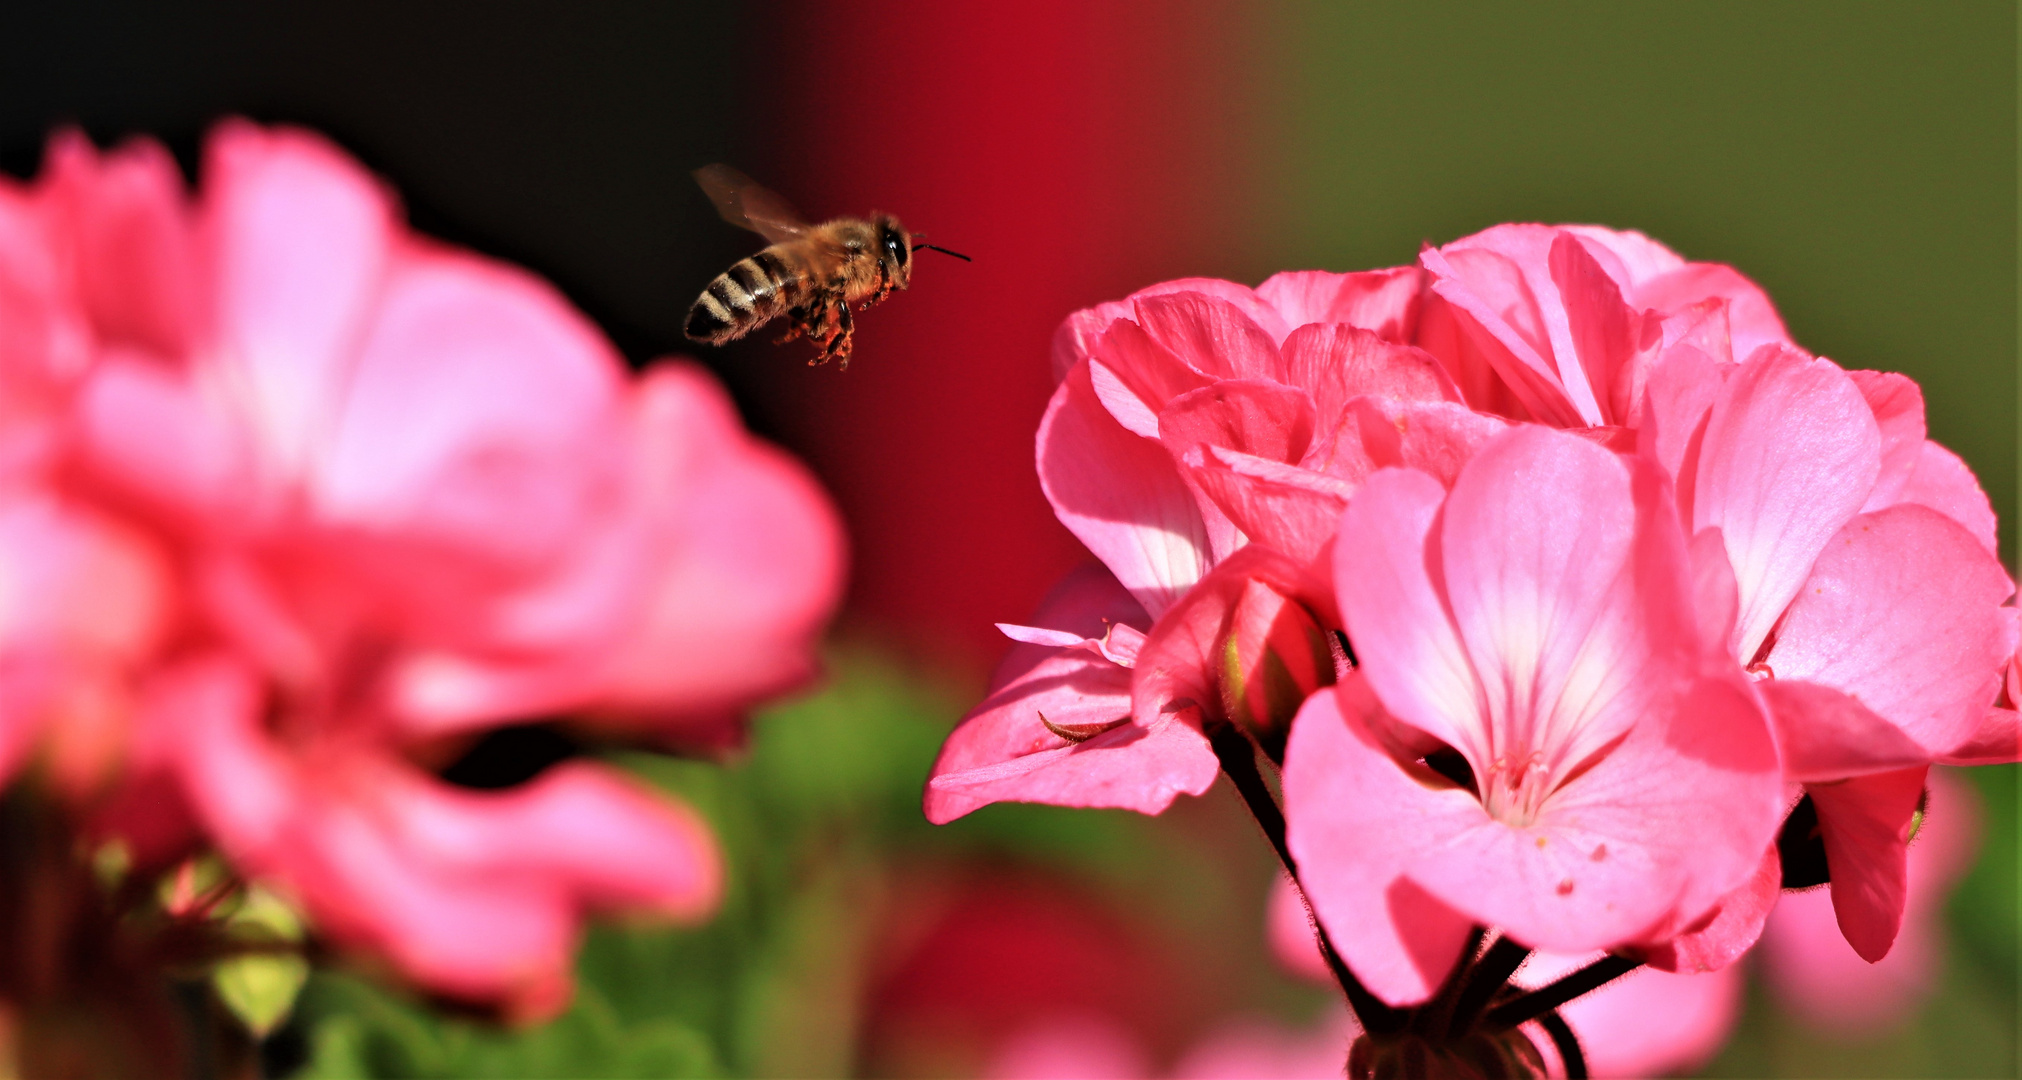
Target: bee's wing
{"type": "Point", "coordinates": [745, 204]}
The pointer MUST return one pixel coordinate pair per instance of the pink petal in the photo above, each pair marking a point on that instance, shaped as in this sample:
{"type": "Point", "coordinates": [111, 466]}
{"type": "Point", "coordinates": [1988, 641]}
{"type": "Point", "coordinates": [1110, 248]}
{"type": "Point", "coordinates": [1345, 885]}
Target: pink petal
{"type": "Point", "coordinates": [1378, 433]}
{"type": "Point", "coordinates": [1997, 741]}
{"type": "Point", "coordinates": [1336, 363]}
{"type": "Point", "coordinates": [1075, 339]}
{"type": "Point", "coordinates": [477, 418]}
{"type": "Point", "coordinates": [1791, 452]}
{"type": "Point", "coordinates": [1384, 302]}
{"type": "Point", "coordinates": [1825, 735]}
{"type": "Point", "coordinates": [1734, 929]}
{"type": "Point", "coordinates": [725, 563]}
{"type": "Point", "coordinates": [475, 895]}
{"type": "Point", "coordinates": [1535, 544]}
{"type": "Point", "coordinates": [1629, 257]}
{"type": "Point", "coordinates": [1819, 977]}
{"type": "Point", "coordinates": [1898, 406]}
{"type": "Point", "coordinates": [1119, 644]}
{"type": "Point", "coordinates": [1499, 322]}
{"type": "Point", "coordinates": [132, 242]}
{"type": "Point", "coordinates": [1865, 823]}
{"type": "Point", "coordinates": [1135, 375]}
{"type": "Point", "coordinates": [1715, 599]}
{"type": "Point", "coordinates": [1751, 318]}
{"type": "Point", "coordinates": [1678, 401]}
{"type": "Point", "coordinates": [1131, 766]}
{"type": "Point", "coordinates": [1902, 611]}
{"type": "Point", "coordinates": [1121, 495]}
{"type": "Point", "coordinates": [1211, 335]}
{"type": "Point", "coordinates": [1397, 620]}
{"type": "Point", "coordinates": [1262, 419]}
{"type": "Point", "coordinates": [1355, 820]}
{"type": "Point", "coordinates": [1598, 333]}
{"type": "Point", "coordinates": [1944, 483]}
{"type": "Point", "coordinates": [1285, 507]}
{"type": "Point", "coordinates": [300, 236]}
{"type": "Point", "coordinates": [1002, 751]}
{"type": "Point", "coordinates": [146, 438]}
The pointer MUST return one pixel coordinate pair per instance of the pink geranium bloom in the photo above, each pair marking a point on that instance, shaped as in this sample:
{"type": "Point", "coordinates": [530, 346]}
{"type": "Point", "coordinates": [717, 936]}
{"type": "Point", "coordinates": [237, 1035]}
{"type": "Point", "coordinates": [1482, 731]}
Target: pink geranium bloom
{"type": "Point", "coordinates": [1536, 623]}
{"type": "Point", "coordinates": [1817, 976]}
{"type": "Point", "coordinates": [1856, 560]}
{"type": "Point", "coordinates": [1202, 442]}
{"type": "Point", "coordinates": [416, 495]}
{"type": "Point", "coordinates": [1560, 324]}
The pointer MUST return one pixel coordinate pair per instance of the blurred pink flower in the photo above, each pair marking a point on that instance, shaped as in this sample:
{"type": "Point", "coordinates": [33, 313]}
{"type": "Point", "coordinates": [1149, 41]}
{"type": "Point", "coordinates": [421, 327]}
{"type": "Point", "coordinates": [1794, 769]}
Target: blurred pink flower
{"type": "Point", "coordinates": [1816, 975]}
{"type": "Point", "coordinates": [1559, 324]}
{"type": "Point", "coordinates": [1536, 623]}
{"type": "Point", "coordinates": [411, 494]}
{"type": "Point", "coordinates": [1855, 561]}
{"type": "Point", "coordinates": [1201, 443]}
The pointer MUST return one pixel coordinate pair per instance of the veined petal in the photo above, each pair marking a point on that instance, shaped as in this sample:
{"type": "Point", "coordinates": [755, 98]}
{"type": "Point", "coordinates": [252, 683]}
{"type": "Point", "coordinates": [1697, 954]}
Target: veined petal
{"type": "Point", "coordinates": [1498, 320]}
{"type": "Point", "coordinates": [1902, 610]}
{"type": "Point", "coordinates": [1384, 302]}
{"type": "Point", "coordinates": [1212, 335]}
{"type": "Point", "coordinates": [1535, 549]}
{"type": "Point", "coordinates": [1865, 823]}
{"type": "Point", "coordinates": [1251, 416]}
{"type": "Point", "coordinates": [1286, 507]}
{"type": "Point", "coordinates": [300, 235]}
{"type": "Point", "coordinates": [1944, 483]}
{"type": "Point", "coordinates": [1121, 495]}
{"type": "Point", "coordinates": [1354, 819]}
{"type": "Point", "coordinates": [1899, 415]}
{"type": "Point", "coordinates": [1791, 452]}
{"type": "Point", "coordinates": [1385, 559]}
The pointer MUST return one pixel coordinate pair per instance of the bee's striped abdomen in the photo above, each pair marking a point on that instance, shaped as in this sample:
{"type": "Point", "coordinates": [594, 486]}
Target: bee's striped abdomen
{"type": "Point", "coordinates": [745, 297]}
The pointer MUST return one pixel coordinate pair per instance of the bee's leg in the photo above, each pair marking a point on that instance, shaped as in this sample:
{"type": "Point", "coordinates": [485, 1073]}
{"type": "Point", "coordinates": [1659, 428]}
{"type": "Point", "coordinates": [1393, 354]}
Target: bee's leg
{"type": "Point", "coordinates": [833, 315]}
{"type": "Point", "coordinates": [838, 344]}
{"type": "Point", "coordinates": [797, 324]}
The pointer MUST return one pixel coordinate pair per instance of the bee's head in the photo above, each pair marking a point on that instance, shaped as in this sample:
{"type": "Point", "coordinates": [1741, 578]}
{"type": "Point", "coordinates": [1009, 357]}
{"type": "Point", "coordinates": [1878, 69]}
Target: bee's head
{"type": "Point", "coordinates": [895, 250]}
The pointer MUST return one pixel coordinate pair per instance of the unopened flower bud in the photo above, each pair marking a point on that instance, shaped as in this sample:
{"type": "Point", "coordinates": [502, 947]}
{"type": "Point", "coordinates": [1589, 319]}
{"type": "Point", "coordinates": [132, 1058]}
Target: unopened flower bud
{"type": "Point", "coordinates": [1273, 656]}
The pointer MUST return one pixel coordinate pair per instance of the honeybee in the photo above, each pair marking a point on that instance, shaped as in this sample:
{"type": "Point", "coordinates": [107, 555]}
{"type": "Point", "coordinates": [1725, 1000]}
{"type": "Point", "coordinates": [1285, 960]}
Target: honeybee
{"type": "Point", "coordinates": [811, 273]}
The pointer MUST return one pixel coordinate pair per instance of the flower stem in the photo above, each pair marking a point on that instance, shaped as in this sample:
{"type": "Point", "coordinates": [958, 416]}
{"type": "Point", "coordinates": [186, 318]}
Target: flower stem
{"type": "Point", "coordinates": [1489, 974]}
{"type": "Point", "coordinates": [1547, 998]}
{"type": "Point", "coordinates": [1238, 756]}
{"type": "Point", "coordinates": [1567, 1044]}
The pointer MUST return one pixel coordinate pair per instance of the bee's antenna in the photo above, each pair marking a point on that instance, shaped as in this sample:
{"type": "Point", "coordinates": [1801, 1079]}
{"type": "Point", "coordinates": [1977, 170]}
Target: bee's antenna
{"type": "Point", "coordinates": [944, 251]}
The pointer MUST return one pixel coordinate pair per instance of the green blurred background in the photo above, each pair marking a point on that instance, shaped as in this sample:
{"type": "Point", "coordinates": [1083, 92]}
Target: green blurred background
{"type": "Point", "coordinates": [1856, 159]}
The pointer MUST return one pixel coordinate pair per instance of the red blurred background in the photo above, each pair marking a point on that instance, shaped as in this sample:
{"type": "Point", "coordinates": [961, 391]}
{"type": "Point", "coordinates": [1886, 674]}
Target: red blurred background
{"type": "Point", "coordinates": [1076, 151]}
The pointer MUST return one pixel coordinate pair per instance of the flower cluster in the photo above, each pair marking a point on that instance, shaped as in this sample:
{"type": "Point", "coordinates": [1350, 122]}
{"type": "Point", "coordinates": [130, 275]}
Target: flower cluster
{"type": "Point", "coordinates": [296, 505]}
{"type": "Point", "coordinates": [1572, 597]}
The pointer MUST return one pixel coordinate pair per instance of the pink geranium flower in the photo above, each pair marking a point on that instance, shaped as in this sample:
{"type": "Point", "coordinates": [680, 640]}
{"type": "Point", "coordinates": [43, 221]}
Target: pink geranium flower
{"type": "Point", "coordinates": [1202, 442]}
{"type": "Point", "coordinates": [1857, 561]}
{"type": "Point", "coordinates": [1541, 737]}
{"type": "Point", "coordinates": [413, 494]}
